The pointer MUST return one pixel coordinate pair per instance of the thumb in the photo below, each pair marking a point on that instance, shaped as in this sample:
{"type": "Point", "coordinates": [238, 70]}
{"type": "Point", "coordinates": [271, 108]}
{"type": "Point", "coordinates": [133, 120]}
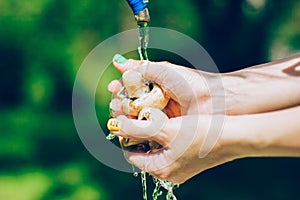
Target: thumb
{"type": "Point", "coordinates": [154, 71]}
{"type": "Point", "coordinates": [173, 79]}
{"type": "Point", "coordinates": [142, 129]}
{"type": "Point", "coordinates": [123, 64]}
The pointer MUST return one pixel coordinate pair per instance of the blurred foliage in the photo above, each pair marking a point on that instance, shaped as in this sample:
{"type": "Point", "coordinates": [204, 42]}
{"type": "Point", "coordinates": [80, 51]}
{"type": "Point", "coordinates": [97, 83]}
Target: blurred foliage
{"type": "Point", "coordinates": [43, 43]}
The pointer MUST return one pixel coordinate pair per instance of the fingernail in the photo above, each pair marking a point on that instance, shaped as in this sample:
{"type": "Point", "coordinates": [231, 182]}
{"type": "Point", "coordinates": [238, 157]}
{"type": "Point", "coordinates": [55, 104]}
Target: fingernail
{"type": "Point", "coordinates": [113, 124]}
{"type": "Point", "coordinates": [119, 59]}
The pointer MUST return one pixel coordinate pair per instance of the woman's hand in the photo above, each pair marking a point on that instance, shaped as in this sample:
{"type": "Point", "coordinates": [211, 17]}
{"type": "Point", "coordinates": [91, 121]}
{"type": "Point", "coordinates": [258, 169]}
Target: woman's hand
{"type": "Point", "coordinates": [186, 138]}
{"type": "Point", "coordinates": [183, 141]}
{"type": "Point", "coordinates": [257, 89]}
{"type": "Point", "coordinates": [189, 90]}
{"type": "Point", "coordinates": [198, 134]}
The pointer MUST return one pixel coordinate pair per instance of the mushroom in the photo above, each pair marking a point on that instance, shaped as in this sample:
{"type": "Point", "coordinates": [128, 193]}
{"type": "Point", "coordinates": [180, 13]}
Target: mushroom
{"type": "Point", "coordinates": [143, 144]}
{"type": "Point", "coordinates": [138, 93]}
{"type": "Point", "coordinates": [140, 98]}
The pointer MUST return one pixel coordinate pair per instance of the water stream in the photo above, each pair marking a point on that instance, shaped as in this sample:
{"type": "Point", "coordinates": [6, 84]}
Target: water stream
{"type": "Point", "coordinates": [167, 185]}
{"type": "Point", "coordinates": [160, 185]}
{"type": "Point", "coordinates": [143, 40]}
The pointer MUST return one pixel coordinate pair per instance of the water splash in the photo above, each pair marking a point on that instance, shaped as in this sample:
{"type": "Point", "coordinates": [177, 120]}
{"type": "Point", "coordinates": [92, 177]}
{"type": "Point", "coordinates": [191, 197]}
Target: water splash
{"type": "Point", "coordinates": [110, 136]}
{"type": "Point", "coordinates": [144, 184]}
{"type": "Point", "coordinates": [156, 192]}
{"type": "Point", "coordinates": [167, 185]}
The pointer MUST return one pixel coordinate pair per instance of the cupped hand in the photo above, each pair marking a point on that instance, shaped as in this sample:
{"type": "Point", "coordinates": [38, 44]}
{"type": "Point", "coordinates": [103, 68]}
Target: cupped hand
{"type": "Point", "coordinates": [184, 132]}
{"type": "Point", "coordinates": [183, 139]}
{"type": "Point", "coordinates": [189, 90]}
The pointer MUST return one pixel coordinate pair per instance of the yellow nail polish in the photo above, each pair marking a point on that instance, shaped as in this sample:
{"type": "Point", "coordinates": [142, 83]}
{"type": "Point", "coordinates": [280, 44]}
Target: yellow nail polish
{"type": "Point", "coordinates": [113, 124]}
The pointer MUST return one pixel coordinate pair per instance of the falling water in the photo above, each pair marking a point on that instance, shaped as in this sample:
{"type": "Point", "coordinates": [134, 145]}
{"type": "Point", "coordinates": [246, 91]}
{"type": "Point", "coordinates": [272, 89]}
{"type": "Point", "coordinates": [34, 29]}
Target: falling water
{"type": "Point", "coordinates": [159, 184]}
{"type": "Point", "coordinates": [143, 40]}
{"type": "Point", "coordinates": [167, 185]}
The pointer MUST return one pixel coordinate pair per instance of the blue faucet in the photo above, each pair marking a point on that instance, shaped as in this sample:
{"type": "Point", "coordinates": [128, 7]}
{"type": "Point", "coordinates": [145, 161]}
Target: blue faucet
{"type": "Point", "coordinates": [137, 5]}
{"type": "Point", "coordinates": [140, 10]}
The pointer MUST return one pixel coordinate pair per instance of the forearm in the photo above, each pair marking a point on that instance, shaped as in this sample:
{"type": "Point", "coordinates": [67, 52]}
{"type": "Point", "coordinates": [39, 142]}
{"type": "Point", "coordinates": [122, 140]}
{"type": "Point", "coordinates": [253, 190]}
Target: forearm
{"type": "Point", "coordinates": [263, 88]}
{"type": "Point", "coordinates": [270, 134]}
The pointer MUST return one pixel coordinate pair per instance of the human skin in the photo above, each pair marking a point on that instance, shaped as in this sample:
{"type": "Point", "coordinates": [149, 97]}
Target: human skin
{"type": "Point", "coordinates": [274, 133]}
{"type": "Point", "coordinates": [262, 88]}
{"type": "Point", "coordinates": [198, 97]}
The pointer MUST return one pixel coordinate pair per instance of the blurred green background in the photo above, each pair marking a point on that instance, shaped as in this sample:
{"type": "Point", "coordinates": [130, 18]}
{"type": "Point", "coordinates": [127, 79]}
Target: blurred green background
{"type": "Point", "coordinates": [43, 43]}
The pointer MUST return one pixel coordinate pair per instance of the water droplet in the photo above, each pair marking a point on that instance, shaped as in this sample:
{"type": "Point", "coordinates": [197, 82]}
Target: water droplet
{"type": "Point", "coordinates": [110, 136]}
{"type": "Point", "coordinates": [135, 174]}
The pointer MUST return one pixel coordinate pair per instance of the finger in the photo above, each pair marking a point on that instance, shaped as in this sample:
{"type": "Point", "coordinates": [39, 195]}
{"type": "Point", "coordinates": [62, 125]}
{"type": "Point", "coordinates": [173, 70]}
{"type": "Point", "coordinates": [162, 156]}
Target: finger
{"type": "Point", "coordinates": [160, 72]}
{"type": "Point", "coordinates": [123, 64]}
{"type": "Point", "coordinates": [175, 80]}
{"type": "Point", "coordinates": [114, 86]}
{"type": "Point", "coordinates": [157, 164]}
{"type": "Point", "coordinates": [151, 163]}
{"type": "Point", "coordinates": [143, 129]}
{"type": "Point", "coordinates": [115, 107]}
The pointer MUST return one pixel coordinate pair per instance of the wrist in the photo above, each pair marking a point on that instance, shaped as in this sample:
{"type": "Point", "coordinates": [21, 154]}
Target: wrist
{"type": "Point", "coordinates": [235, 96]}
{"type": "Point", "coordinates": [262, 88]}
{"type": "Point", "coordinates": [240, 142]}
{"type": "Point", "coordinates": [235, 93]}
{"type": "Point", "coordinates": [268, 134]}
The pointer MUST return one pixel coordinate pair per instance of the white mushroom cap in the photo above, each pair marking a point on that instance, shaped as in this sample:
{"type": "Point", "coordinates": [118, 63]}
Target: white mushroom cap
{"type": "Point", "coordinates": [134, 84]}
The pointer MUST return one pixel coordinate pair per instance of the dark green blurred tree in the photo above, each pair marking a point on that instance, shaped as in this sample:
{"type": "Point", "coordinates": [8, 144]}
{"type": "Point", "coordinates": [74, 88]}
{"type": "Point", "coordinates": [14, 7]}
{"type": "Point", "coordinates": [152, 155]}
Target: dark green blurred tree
{"type": "Point", "coordinates": [43, 43]}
